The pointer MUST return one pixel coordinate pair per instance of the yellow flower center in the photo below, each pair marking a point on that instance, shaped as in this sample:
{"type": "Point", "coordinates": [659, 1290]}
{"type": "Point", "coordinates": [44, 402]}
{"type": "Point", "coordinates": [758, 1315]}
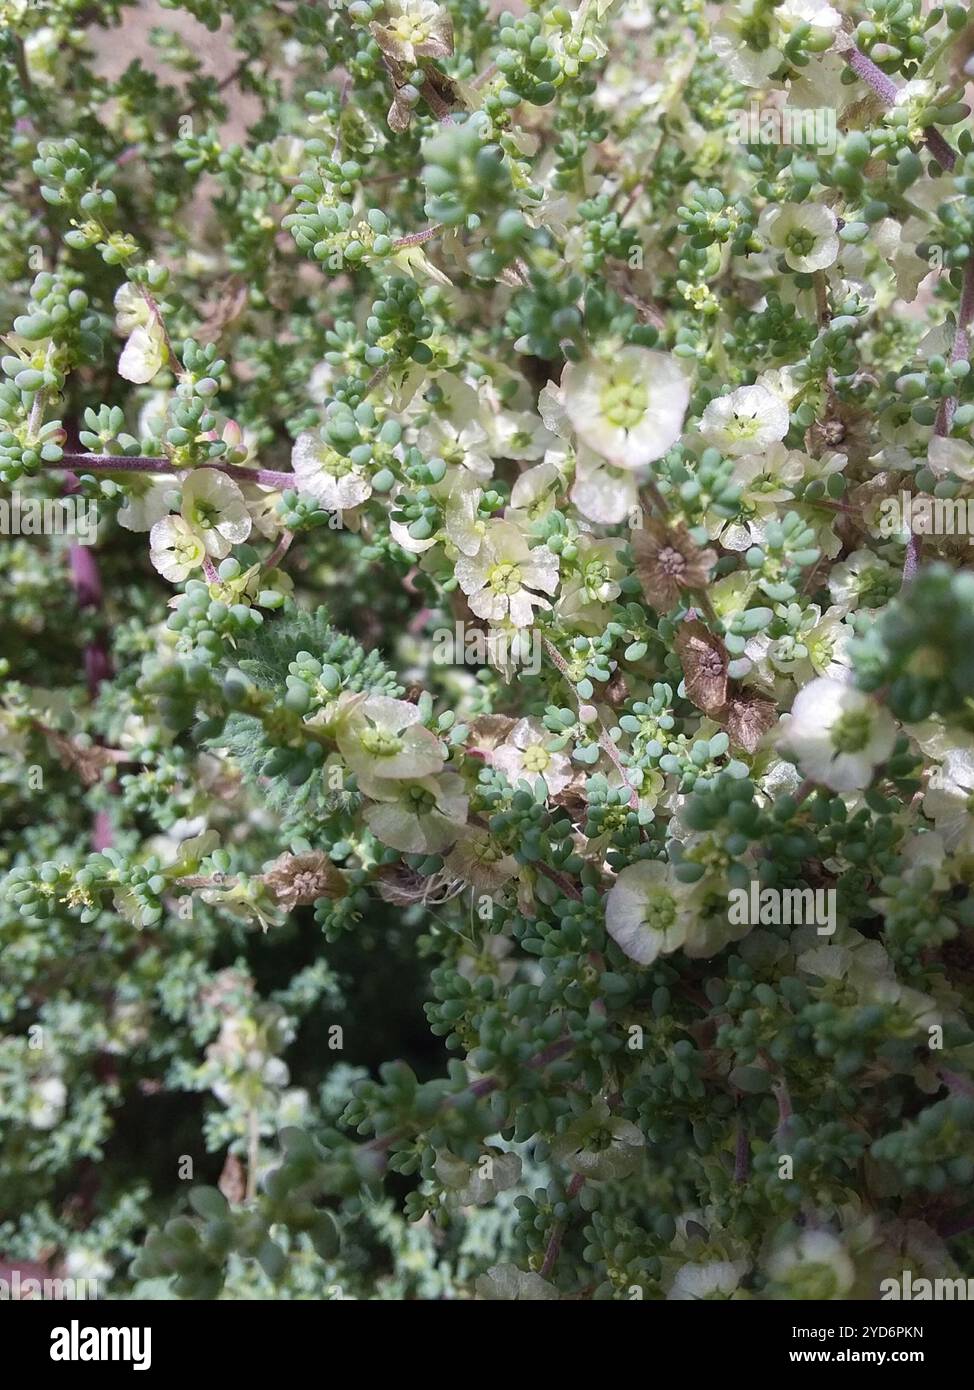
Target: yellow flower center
{"type": "Point", "coordinates": [624, 403]}
{"type": "Point", "coordinates": [380, 743]}
{"type": "Point", "coordinates": [659, 914]}
{"type": "Point", "coordinates": [504, 579]}
{"type": "Point", "coordinates": [536, 758]}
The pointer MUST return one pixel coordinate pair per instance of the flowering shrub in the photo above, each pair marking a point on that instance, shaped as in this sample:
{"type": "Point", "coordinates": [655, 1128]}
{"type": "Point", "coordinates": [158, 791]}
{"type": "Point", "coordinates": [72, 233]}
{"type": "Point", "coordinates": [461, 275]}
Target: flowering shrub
{"type": "Point", "coordinates": [505, 607]}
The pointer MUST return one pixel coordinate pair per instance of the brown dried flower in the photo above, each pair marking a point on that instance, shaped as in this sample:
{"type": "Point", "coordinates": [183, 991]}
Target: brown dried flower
{"type": "Point", "coordinates": [704, 661]}
{"type": "Point", "coordinates": [668, 562]}
{"type": "Point", "coordinates": [748, 718]}
{"type": "Point", "coordinates": [297, 880]}
{"type": "Point", "coordinates": [88, 762]}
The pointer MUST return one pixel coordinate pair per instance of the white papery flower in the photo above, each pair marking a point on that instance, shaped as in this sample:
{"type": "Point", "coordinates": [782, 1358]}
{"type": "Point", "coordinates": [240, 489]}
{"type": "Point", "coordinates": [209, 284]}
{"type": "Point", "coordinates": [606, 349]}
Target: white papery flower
{"type": "Point", "coordinates": [551, 408]}
{"type": "Point", "coordinates": [462, 524]}
{"type": "Point", "coordinates": [489, 961]}
{"type": "Point", "coordinates": [143, 355]}
{"type": "Point", "coordinates": [745, 421]}
{"type": "Point", "coordinates": [819, 86]}
{"type": "Point", "coordinates": [750, 65]}
{"type": "Point", "coordinates": [148, 501]}
{"type": "Point", "coordinates": [175, 548]}
{"type": "Point", "coordinates": [815, 1256]}
{"type": "Point", "coordinates": [214, 507]}
{"type": "Point", "coordinates": [837, 734]}
{"type": "Point", "coordinates": [458, 434]}
{"type": "Point", "coordinates": [145, 352]}
{"type": "Point", "coordinates": [949, 800]}
{"type": "Point", "coordinates": [381, 737]}
{"type": "Point", "coordinates": [863, 580]}
{"type": "Point", "coordinates": [460, 494]}
{"type": "Point", "coordinates": [415, 29]}
{"type": "Point", "coordinates": [417, 817]}
{"type": "Point", "coordinates": [535, 491]}
{"type": "Point", "coordinates": [524, 753]}
{"type": "Point", "coordinates": [46, 1102]}
{"type": "Point", "coordinates": [628, 407]}
{"type": "Point", "coordinates": [822, 16]}
{"type": "Point", "coordinates": [765, 480]}
{"type": "Point", "coordinates": [501, 579]}
{"type": "Point", "coordinates": [648, 911]}
{"type": "Point", "coordinates": [805, 233]}
{"type": "Point", "coordinates": [715, 1280]}
{"type": "Point", "coordinates": [131, 309]}
{"type": "Point", "coordinates": [518, 434]}
{"type": "Point", "coordinates": [827, 642]}
{"type": "Point", "coordinates": [596, 582]}
{"type": "Point", "coordinates": [951, 457]}
{"type": "Point", "coordinates": [602, 493]}
{"type": "Point", "coordinates": [321, 382]}
{"type": "Point", "coordinates": [819, 647]}
{"type": "Point", "coordinates": [322, 472]}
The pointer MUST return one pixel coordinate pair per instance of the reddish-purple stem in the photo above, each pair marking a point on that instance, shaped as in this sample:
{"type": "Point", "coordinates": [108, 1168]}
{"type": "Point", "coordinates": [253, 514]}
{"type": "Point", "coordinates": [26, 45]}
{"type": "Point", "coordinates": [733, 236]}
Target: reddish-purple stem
{"type": "Point", "coordinates": [141, 463]}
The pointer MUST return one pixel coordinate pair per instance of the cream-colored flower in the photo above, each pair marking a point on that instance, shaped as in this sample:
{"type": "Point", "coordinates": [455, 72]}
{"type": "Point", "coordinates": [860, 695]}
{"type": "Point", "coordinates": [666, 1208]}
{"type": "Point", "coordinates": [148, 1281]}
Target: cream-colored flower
{"type": "Point", "coordinates": [214, 507]}
{"type": "Point", "coordinates": [175, 548]}
{"type": "Point", "coordinates": [863, 580]}
{"type": "Point", "coordinates": [819, 647]}
{"type": "Point", "coordinates": [143, 355]}
{"type": "Point", "coordinates": [745, 421]}
{"type": "Point", "coordinates": [455, 432]}
{"type": "Point", "coordinates": [594, 582]}
{"type": "Point", "coordinates": [149, 498]}
{"type": "Point", "coordinates": [717, 1279]}
{"type": "Point", "coordinates": [603, 493]}
{"type": "Point", "coordinates": [628, 407]}
{"type": "Point", "coordinates": [748, 58]}
{"type": "Point", "coordinates": [525, 753]}
{"type": "Point", "coordinates": [822, 17]}
{"type": "Point", "coordinates": [460, 494]}
{"type": "Point", "coordinates": [322, 472]}
{"type": "Point", "coordinates": [766, 480]}
{"type": "Point", "coordinates": [46, 1102]}
{"type": "Point", "coordinates": [489, 961]}
{"type": "Point", "coordinates": [414, 29]}
{"type": "Point", "coordinates": [518, 434]}
{"type": "Point", "coordinates": [837, 734]}
{"type": "Point", "coordinates": [951, 458]}
{"type": "Point", "coordinates": [949, 800]}
{"type": "Point", "coordinates": [502, 579]}
{"type": "Point", "coordinates": [417, 817]}
{"type": "Point", "coordinates": [380, 737]}
{"type": "Point", "coordinates": [805, 233]}
{"type": "Point", "coordinates": [814, 1266]}
{"type": "Point", "coordinates": [479, 861]}
{"type": "Point", "coordinates": [145, 351]}
{"type": "Point", "coordinates": [648, 911]}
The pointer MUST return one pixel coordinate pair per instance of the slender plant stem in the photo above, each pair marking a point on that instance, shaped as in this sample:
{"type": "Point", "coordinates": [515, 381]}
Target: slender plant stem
{"type": "Point", "coordinates": [118, 463]}
{"type": "Point", "coordinates": [864, 67]}
{"type": "Point", "coordinates": [742, 1154]}
{"type": "Point", "coordinates": [279, 551]}
{"type": "Point", "coordinates": [605, 740]}
{"type": "Point", "coordinates": [558, 1231]}
{"type": "Point", "coordinates": [417, 238]}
